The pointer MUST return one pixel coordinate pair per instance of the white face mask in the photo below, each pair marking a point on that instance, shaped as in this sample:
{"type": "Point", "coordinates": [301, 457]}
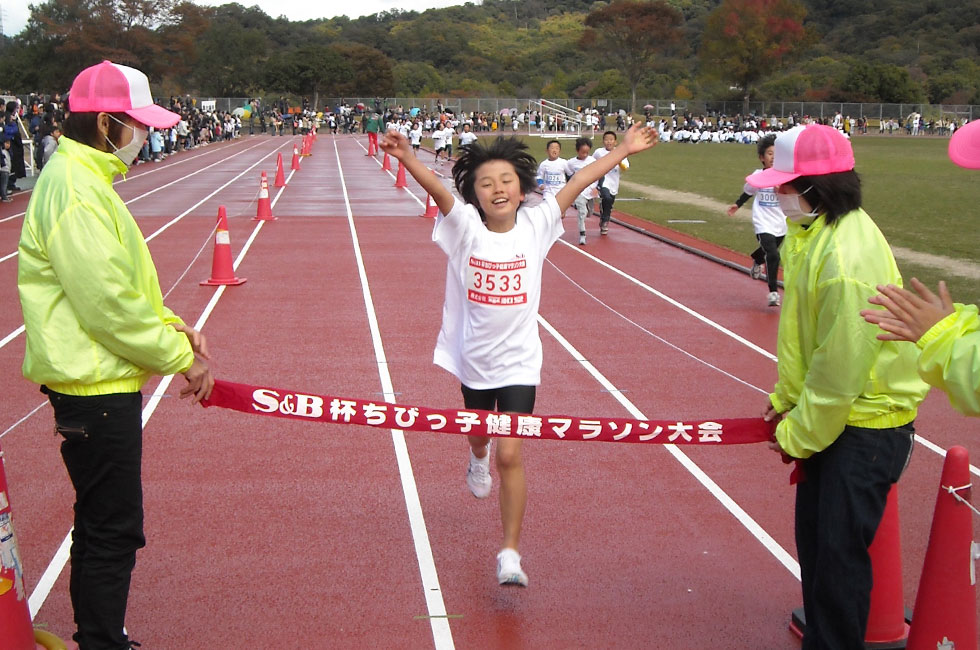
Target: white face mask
{"type": "Point", "coordinates": [128, 153]}
{"type": "Point", "coordinates": [790, 205]}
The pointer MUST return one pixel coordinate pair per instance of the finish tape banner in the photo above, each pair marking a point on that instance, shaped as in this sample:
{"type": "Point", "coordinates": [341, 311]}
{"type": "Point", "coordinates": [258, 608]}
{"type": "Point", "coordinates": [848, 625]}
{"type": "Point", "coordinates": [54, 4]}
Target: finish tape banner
{"type": "Point", "coordinates": [307, 407]}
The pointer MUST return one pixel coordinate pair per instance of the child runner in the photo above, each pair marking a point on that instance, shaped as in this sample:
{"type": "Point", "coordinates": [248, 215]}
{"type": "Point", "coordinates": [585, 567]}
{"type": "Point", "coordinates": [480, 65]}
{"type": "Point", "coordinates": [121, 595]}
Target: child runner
{"type": "Point", "coordinates": [948, 333]}
{"type": "Point", "coordinates": [489, 338]}
{"type": "Point", "coordinates": [467, 136]}
{"type": "Point", "coordinates": [438, 140]}
{"type": "Point", "coordinates": [845, 401]}
{"type": "Point", "coordinates": [609, 185]}
{"type": "Point", "coordinates": [415, 135]}
{"type": "Point", "coordinates": [447, 134]}
{"type": "Point", "coordinates": [585, 200]}
{"type": "Point", "coordinates": [768, 221]}
{"type": "Point", "coordinates": [551, 172]}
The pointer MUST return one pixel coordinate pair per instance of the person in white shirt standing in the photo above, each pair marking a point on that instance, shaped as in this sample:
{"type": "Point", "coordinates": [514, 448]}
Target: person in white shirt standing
{"type": "Point", "coordinates": [438, 140]}
{"type": "Point", "coordinates": [585, 200]}
{"type": "Point", "coordinates": [551, 172]}
{"type": "Point", "coordinates": [489, 338]}
{"type": "Point", "coordinates": [609, 185]}
{"type": "Point", "coordinates": [768, 221]}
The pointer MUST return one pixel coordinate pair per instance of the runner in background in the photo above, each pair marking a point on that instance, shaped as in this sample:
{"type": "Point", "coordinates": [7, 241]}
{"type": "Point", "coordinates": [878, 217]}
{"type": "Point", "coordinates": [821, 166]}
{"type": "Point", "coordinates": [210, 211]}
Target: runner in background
{"type": "Point", "coordinates": [489, 338]}
{"type": "Point", "coordinates": [585, 200]}
{"type": "Point", "coordinates": [551, 172]}
{"type": "Point", "coordinates": [947, 333]}
{"type": "Point", "coordinates": [467, 136]}
{"type": "Point", "coordinates": [372, 126]}
{"type": "Point", "coordinates": [768, 221]}
{"type": "Point", "coordinates": [845, 402]}
{"type": "Point", "coordinates": [438, 140]}
{"type": "Point", "coordinates": [97, 330]}
{"type": "Point", "coordinates": [609, 185]}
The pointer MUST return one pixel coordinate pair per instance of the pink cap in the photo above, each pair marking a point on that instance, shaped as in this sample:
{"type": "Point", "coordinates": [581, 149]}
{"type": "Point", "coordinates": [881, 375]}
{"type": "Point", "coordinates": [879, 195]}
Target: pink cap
{"type": "Point", "coordinates": [113, 88]}
{"type": "Point", "coordinates": [964, 146]}
{"type": "Point", "coordinates": [811, 150]}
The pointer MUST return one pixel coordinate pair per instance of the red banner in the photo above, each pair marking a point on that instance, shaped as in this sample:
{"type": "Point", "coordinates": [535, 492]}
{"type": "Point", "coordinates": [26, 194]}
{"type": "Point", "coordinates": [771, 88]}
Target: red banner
{"type": "Point", "coordinates": [277, 402]}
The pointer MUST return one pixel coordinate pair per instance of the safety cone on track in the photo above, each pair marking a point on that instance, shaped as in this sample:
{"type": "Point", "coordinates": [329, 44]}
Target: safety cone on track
{"type": "Point", "coordinates": [222, 269]}
{"type": "Point", "coordinates": [888, 627]}
{"type": "Point", "coordinates": [264, 211]}
{"type": "Point", "coordinates": [371, 149]}
{"type": "Point", "coordinates": [280, 176]}
{"type": "Point", "coordinates": [400, 180]}
{"type": "Point", "coordinates": [431, 209]}
{"type": "Point", "coordinates": [16, 629]}
{"type": "Point", "coordinates": [386, 163]}
{"type": "Point", "coordinates": [295, 165]}
{"type": "Point", "coordinates": [946, 603]}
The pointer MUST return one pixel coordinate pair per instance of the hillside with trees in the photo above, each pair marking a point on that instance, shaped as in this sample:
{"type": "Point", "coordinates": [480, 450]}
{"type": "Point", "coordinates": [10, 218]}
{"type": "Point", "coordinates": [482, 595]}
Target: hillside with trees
{"type": "Point", "coordinates": [793, 50]}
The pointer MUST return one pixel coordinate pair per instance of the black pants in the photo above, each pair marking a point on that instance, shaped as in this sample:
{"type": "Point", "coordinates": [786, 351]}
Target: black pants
{"type": "Point", "coordinates": [102, 450]}
{"type": "Point", "coordinates": [838, 508]}
{"type": "Point", "coordinates": [607, 199]}
{"type": "Point", "coordinates": [768, 253]}
{"type": "Point", "coordinates": [507, 399]}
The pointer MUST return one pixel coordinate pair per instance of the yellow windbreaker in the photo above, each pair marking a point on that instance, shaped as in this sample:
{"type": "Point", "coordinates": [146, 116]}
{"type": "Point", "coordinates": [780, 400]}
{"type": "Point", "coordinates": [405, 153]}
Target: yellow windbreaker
{"type": "Point", "coordinates": [93, 312]}
{"type": "Point", "coordinates": [833, 371]}
{"type": "Point", "coordinates": [950, 358]}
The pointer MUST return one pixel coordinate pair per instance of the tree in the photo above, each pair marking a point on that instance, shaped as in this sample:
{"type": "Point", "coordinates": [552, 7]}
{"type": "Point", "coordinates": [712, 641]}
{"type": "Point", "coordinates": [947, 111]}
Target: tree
{"type": "Point", "coordinates": [745, 41]}
{"type": "Point", "coordinates": [632, 33]}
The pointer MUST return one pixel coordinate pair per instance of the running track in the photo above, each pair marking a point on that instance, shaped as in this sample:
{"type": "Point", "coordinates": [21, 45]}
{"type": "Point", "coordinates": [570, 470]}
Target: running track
{"type": "Point", "coordinates": [266, 533]}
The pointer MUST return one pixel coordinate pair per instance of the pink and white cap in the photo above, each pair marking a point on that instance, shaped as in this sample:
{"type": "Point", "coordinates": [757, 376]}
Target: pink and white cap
{"type": "Point", "coordinates": [811, 150]}
{"type": "Point", "coordinates": [964, 146]}
{"type": "Point", "coordinates": [113, 88]}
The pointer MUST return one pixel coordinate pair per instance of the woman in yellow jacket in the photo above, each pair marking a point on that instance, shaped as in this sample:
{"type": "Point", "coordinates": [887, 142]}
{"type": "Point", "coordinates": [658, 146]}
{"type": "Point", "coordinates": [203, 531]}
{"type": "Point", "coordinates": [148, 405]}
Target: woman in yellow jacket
{"type": "Point", "coordinates": [96, 331]}
{"type": "Point", "coordinates": [845, 400]}
{"type": "Point", "coordinates": [947, 333]}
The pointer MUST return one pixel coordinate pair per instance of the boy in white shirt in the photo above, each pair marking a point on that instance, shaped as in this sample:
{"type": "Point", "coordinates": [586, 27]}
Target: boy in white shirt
{"type": "Point", "coordinates": [438, 140]}
{"type": "Point", "coordinates": [415, 135]}
{"type": "Point", "coordinates": [467, 136]}
{"type": "Point", "coordinates": [551, 172]}
{"type": "Point", "coordinates": [609, 185]}
{"type": "Point", "coordinates": [584, 201]}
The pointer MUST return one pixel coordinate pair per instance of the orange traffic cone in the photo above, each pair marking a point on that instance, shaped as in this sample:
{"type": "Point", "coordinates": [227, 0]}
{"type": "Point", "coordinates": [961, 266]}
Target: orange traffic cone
{"type": "Point", "coordinates": [280, 176]}
{"type": "Point", "coordinates": [431, 209]}
{"type": "Point", "coordinates": [400, 180]}
{"type": "Point", "coordinates": [295, 165]}
{"type": "Point", "coordinates": [946, 604]}
{"type": "Point", "coordinates": [222, 269]}
{"type": "Point", "coordinates": [264, 211]}
{"type": "Point", "coordinates": [887, 617]}
{"type": "Point", "coordinates": [371, 149]}
{"type": "Point", "coordinates": [386, 163]}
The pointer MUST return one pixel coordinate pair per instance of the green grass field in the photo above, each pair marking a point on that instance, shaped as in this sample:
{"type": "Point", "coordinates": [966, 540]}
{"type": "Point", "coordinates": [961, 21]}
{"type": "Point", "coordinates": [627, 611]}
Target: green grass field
{"type": "Point", "coordinates": [920, 200]}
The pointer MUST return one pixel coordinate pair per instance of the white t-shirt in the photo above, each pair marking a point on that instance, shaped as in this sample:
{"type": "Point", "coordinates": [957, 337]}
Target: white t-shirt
{"type": "Point", "coordinates": [416, 135]}
{"type": "Point", "coordinates": [466, 137]}
{"type": "Point", "coordinates": [611, 179]}
{"type": "Point", "coordinates": [438, 139]}
{"type": "Point", "coordinates": [766, 215]}
{"type": "Point", "coordinates": [489, 336]}
{"type": "Point", "coordinates": [552, 175]}
{"type": "Point", "coordinates": [573, 165]}
{"type": "Point", "coordinates": [447, 135]}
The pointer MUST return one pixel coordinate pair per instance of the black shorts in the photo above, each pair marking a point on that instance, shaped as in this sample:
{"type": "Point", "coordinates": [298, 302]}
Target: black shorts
{"type": "Point", "coordinates": [506, 399]}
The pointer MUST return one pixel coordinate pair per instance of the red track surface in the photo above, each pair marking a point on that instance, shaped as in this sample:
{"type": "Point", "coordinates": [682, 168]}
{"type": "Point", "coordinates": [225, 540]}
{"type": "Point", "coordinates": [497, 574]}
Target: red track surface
{"type": "Point", "coordinates": [265, 533]}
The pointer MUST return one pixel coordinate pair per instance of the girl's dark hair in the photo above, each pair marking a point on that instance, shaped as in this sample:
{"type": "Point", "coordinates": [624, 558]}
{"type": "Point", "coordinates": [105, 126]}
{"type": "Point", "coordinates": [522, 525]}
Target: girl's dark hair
{"type": "Point", "coordinates": [84, 128]}
{"type": "Point", "coordinates": [579, 142]}
{"type": "Point", "coordinates": [508, 149]}
{"type": "Point", "coordinates": [832, 194]}
{"type": "Point", "coordinates": [765, 143]}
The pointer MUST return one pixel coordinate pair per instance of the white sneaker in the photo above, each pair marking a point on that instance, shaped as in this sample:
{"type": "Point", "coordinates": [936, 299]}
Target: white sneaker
{"type": "Point", "coordinates": [773, 298]}
{"type": "Point", "coordinates": [756, 272]}
{"type": "Point", "coordinates": [478, 475]}
{"type": "Point", "coordinates": [581, 239]}
{"type": "Point", "coordinates": [509, 570]}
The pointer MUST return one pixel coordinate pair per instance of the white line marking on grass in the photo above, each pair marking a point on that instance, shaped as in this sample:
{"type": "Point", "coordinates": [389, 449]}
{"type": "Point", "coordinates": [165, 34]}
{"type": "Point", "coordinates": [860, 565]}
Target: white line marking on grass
{"type": "Point", "coordinates": [441, 633]}
{"type": "Point", "coordinates": [931, 446]}
{"type": "Point", "coordinates": [57, 564]}
{"type": "Point", "coordinates": [716, 491]}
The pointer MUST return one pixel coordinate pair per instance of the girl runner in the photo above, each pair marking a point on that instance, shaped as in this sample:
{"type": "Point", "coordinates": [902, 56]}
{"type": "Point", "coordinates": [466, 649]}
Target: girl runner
{"type": "Point", "coordinates": [489, 338]}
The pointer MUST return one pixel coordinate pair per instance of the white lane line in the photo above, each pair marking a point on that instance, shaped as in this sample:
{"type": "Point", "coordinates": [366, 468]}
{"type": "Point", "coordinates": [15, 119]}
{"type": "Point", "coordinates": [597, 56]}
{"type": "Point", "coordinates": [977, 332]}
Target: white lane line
{"type": "Point", "coordinates": [716, 491]}
{"type": "Point", "coordinates": [57, 564]}
{"type": "Point", "coordinates": [931, 446]}
{"type": "Point", "coordinates": [7, 339]}
{"type": "Point", "coordinates": [23, 419]}
{"type": "Point", "coordinates": [441, 633]}
{"type": "Point", "coordinates": [392, 175]}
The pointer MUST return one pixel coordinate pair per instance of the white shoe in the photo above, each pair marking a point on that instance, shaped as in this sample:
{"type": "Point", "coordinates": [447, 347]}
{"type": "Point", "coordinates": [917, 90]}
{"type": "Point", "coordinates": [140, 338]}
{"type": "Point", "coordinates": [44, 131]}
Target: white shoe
{"type": "Point", "coordinates": [773, 298]}
{"type": "Point", "coordinates": [509, 570]}
{"type": "Point", "coordinates": [756, 272]}
{"type": "Point", "coordinates": [581, 240]}
{"type": "Point", "coordinates": [478, 475]}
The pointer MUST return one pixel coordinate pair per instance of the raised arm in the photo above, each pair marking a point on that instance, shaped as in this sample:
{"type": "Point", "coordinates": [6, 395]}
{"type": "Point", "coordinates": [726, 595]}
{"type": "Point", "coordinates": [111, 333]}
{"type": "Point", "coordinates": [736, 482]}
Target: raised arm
{"type": "Point", "coordinates": [638, 138]}
{"type": "Point", "coordinates": [397, 146]}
